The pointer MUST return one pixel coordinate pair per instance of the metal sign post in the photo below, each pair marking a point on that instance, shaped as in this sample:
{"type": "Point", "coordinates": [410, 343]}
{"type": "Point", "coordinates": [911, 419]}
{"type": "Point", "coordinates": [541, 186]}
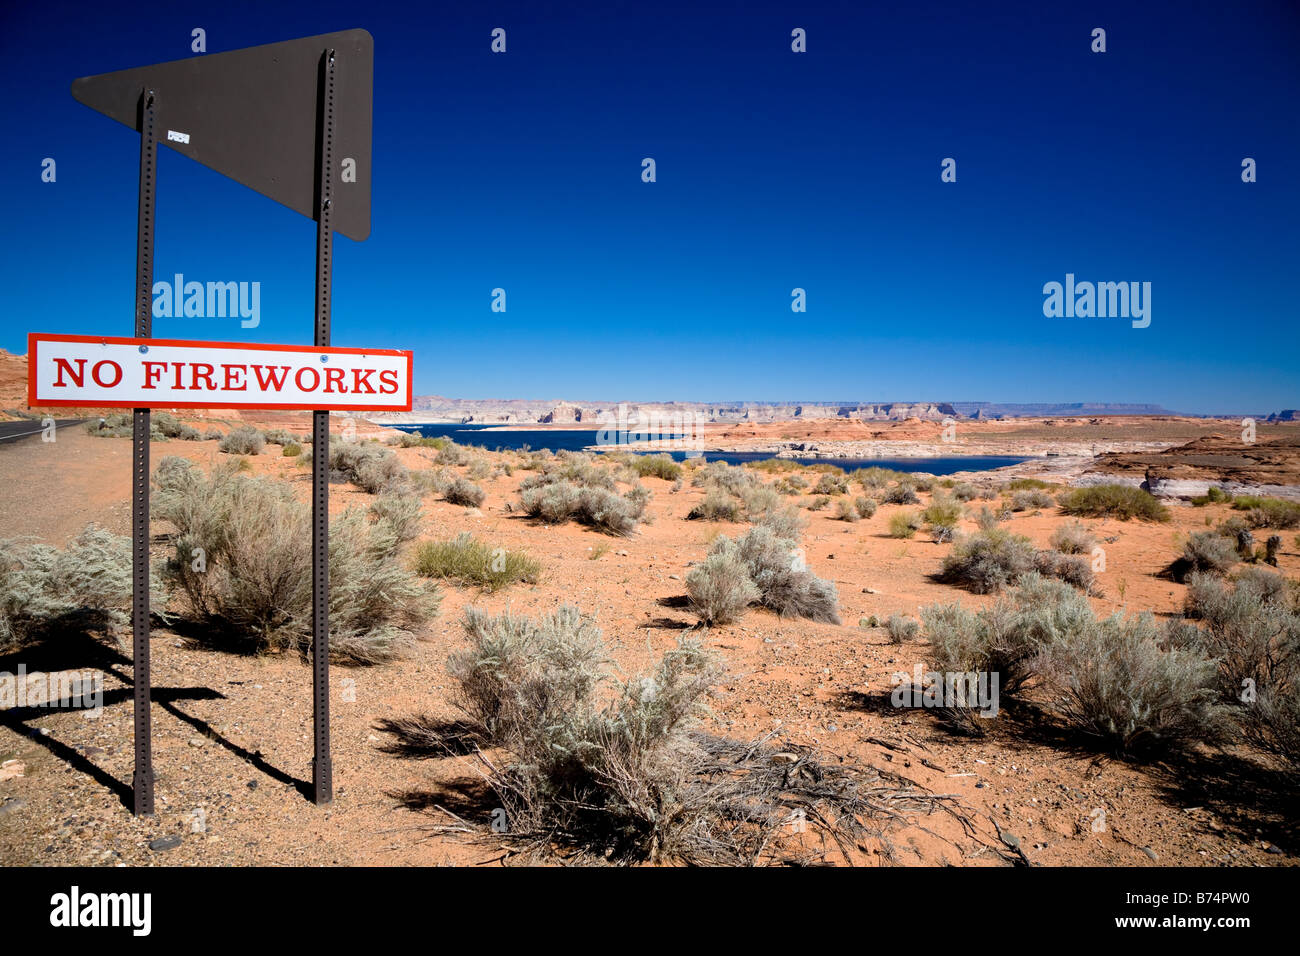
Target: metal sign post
{"type": "Point", "coordinates": [292, 121]}
{"type": "Point", "coordinates": [321, 770]}
{"type": "Point", "coordinates": [140, 428]}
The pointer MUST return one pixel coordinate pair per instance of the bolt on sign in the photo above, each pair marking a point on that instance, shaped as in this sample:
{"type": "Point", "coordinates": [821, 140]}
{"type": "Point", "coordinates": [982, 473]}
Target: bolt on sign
{"type": "Point", "coordinates": [90, 371]}
{"type": "Point", "coordinates": [292, 121]}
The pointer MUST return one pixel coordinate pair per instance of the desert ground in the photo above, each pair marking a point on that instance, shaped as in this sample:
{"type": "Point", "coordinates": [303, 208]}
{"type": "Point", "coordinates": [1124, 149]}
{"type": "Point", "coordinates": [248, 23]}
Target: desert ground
{"type": "Point", "coordinates": [232, 731]}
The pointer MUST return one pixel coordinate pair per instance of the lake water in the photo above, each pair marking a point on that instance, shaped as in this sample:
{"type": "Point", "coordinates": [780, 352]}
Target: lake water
{"type": "Point", "coordinates": [577, 439]}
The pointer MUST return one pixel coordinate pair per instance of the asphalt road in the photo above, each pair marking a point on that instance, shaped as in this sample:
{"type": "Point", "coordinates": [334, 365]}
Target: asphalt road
{"type": "Point", "coordinates": [13, 431]}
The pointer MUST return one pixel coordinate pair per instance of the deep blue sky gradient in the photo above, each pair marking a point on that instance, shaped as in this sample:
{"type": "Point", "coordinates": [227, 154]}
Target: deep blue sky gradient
{"type": "Point", "coordinates": [775, 170]}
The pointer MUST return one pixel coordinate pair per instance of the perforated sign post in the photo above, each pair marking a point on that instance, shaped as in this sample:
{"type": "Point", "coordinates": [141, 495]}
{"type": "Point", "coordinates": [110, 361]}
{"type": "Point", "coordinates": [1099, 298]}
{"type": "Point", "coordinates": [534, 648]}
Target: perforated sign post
{"type": "Point", "coordinates": [292, 121]}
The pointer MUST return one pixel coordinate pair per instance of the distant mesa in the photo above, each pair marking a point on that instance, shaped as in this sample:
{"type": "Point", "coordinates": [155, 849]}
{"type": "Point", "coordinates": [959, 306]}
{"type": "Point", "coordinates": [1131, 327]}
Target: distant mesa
{"type": "Point", "coordinates": [562, 413]}
{"type": "Point", "coordinates": [492, 411]}
{"type": "Point", "coordinates": [992, 410]}
{"type": "Point", "coordinates": [555, 411]}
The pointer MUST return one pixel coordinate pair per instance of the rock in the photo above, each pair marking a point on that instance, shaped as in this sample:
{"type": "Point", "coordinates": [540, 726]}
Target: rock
{"type": "Point", "coordinates": [169, 842]}
{"type": "Point", "coordinates": [1151, 853]}
{"type": "Point", "coordinates": [197, 742]}
{"type": "Point", "coordinates": [11, 769]}
{"type": "Point", "coordinates": [563, 412]}
{"type": "Point", "coordinates": [785, 758]}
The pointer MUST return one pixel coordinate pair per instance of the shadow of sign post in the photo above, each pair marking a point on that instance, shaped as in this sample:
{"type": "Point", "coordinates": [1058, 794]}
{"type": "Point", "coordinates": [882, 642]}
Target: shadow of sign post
{"type": "Point", "coordinates": [292, 121]}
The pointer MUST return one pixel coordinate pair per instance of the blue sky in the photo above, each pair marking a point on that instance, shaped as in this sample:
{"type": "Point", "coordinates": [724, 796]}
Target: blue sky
{"type": "Point", "coordinates": [775, 170]}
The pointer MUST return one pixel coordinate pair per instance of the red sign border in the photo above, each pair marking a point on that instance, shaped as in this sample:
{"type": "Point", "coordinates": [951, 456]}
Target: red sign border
{"type": "Point", "coordinates": [35, 338]}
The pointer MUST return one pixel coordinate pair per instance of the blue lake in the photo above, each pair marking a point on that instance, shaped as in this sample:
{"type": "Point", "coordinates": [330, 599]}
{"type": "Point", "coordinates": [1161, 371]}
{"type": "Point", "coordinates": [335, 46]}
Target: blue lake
{"type": "Point", "coordinates": [577, 439]}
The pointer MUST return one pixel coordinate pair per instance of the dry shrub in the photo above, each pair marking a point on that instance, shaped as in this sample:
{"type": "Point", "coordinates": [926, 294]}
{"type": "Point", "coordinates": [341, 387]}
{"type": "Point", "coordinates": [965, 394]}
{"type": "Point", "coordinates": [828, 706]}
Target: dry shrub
{"type": "Point", "coordinates": [399, 514]}
{"type": "Point", "coordinates": [368, 465]}
{"type": "Point", "coordinates": [574, 487]}
{"type": "Point", "coordinates": [902, 628]}
{"type": "Point", "coordinates": [831, 484]}
{"type": "Point", "coordinates": [1030, 500]}
{"type": "Point", "coordinates": [464, 492]}
{"type": "Point", "coordinates": [415, 440]}
{"type": "Point", "coordinates": [988, 561]}
{"type": "Point", "coordinates": [963, 491]}
{"type": "Point", "coordinates": [251, 574]}
{"type": "Point", "coordinates": [243, 440]}
{"type": "Point", "coordinates": [596, 506]}
{"type": "Point", "coordinates": [876, 479]}
{"type": "Point", "coordinates": [776, 567]}
{"type": "Point", "coordinates": [601, 770]}
{"type": "Point", "coordinates": [86, 586]}
{"type": "Point", "coordinates": [1021, 484]}
{"type": "Point", "coordinates": [574, 468]}
{"type": "Point", "coordinates": [1073, 538]}
{"type": "Point", "coordinates": [785, 523]}
{"type": "Point", "coordinates": [1118, 681]}
{"type": "Point", "coordinates": [941, 517]}
{"type": "Point", "coordinates": [658, 466]}
{"type": "Point", "coordinates": [904, 524]}
{"type": "Point", "coordinates": [1075, 570]}
{"type": "Point", "coordinates": [552, 502]}
{"type": "Point", "coordinates": [716, 506]}
{"type": "Point", "coordinates": [719, 474]}
{"type": "Point", "coordinates": [1206, 552]}
{"type": "Point", "coordinates": [585, 768]}
{"type": "Point", "coordinates": [844, 511]}
{"type": "Point", "coordinates": [720, 588]}
{"type": "Point", "coordinates": [119, 425]}
{"type": "Point", "coordinates": [449, 453]}
{"type": "Point", "coordinates": [759, 501]}
{"type": "Point", "coordinates": [172, 427]}
{"type": "Point", "coordinates": [865, 507]}
{"type": "Point", "coordinates": [122, 425]}
{"type": "Point", "coordinates": [1270, 587]}
{"type": "Point", "coordinates": [1268, 512]}
{"type": "Point", "coordinates": [1112, 501]}
{"type": "Point", "coordinates": [903, 493]}
{"type": "Point", "coordinates": [1251, 629]}
{"type": "Point", "coordinates": [986, 519]}
{"type": "Point", "coordinates": [1005, 638]}
{"type": "Point", "coordinates": [467, 560]}
{"type": "Point", "coordinates": [736, 497]}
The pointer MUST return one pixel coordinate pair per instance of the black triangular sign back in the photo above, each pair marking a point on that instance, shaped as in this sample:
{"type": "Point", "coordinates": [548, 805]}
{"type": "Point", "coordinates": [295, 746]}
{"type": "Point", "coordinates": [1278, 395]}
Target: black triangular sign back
{"type": "Point", "coordinates": [252, 115]}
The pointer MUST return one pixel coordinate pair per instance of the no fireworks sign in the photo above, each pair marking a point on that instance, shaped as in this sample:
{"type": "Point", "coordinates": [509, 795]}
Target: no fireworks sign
{"type": "Point", "coordinates": [92, 371]}
{"type": "Point", "coordinates": [292, 121]}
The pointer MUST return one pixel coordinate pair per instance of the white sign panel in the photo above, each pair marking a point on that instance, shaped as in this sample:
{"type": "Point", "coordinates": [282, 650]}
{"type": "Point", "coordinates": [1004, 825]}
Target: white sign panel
{"type": "Point", "coordinates": [94, 371]}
